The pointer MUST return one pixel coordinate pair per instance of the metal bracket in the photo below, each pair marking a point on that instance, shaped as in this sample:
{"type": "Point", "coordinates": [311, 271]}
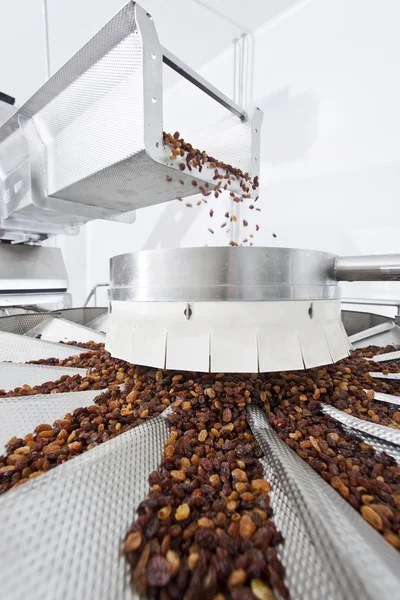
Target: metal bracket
{"type": "Point", "coordinates": [93, 293]}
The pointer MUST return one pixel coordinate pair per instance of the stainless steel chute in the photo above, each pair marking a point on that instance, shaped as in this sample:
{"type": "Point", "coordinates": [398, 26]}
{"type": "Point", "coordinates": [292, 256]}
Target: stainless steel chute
{"type": "Point", "coordinates": [89, 143]}
{"type": "Point", "coordinates": [232, 309]}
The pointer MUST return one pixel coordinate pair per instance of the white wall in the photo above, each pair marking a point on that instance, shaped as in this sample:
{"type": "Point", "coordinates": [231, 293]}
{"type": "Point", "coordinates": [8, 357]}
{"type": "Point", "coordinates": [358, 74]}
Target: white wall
{"type": "Point", "coordinates": [22, 47]}
{"type": "Point", "coordinates": [331, 136]}
{"type": "Point", "coordinates": [326, 78]}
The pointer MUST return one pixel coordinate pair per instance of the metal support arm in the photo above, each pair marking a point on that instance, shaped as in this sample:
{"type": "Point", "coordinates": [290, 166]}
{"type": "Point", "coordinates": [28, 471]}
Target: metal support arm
{"type": "Point", "coordinates": [185, 71]}
{"type": "Point", "coordinates": [93, 292]}
{"type": "Point", "coordinates": [385, 267]}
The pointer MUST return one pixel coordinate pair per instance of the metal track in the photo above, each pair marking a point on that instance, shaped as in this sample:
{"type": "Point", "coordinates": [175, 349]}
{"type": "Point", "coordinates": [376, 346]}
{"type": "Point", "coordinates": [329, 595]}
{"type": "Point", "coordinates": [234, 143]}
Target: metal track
{"type": "Point", "coordinates": [388, 357]}
{"type": "Point", "coordinates": [64, 530]}
{"type": "Point", "coordinates": [18, 348]}
{"type": "Point", "coordinates": [378, 375]}
{"type": "Point", "coordinates": [381, 397]}
{"type": "Point", "coordinates": [351, 553]}
{"type": "Point", "coordinates": [19, 416]}
{"type": "Point", "coordinates": [61, 330]}
{"type": "Point", "coordinates": [381, 433]}
{"type": "Point", "coordinates": [14, 375]}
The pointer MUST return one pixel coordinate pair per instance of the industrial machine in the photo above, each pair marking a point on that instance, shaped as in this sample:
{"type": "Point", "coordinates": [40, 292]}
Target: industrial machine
{"type": "Point", "coordinates": [88, 145]}
{"type": "Point", "coordinates": [234, 309]}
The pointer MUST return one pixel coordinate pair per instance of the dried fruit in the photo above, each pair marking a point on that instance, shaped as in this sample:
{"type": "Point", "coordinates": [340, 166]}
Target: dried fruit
{"type": "Point", "coordinates": [372, 517]}
{"type": "Point", "coordinates": [159, 572]}
{"type": "Point", "coordinates": [164, 513]}
{"type": "Point", "coordinates": [133, 541]}
{"type": "Point", "coordinates": [260, 484]}
{"type": "Point", "coordinates": [246, 526]}
{"type": "Point", "coordinates": [182, 512]}
{"type": "Point", "coordinates": [174, 561]}
{"type": "Point", "coordinates": [237, 577]}
{"type": "Point", "coordinates": [202, 435]}
{"type": "Point", "coordinates": [261, 591]}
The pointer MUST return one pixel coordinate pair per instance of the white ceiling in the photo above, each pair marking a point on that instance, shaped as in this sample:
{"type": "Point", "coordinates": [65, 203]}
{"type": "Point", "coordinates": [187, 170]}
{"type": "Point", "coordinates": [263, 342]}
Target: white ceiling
{"type": "Point", "coordinates": [247, 15]}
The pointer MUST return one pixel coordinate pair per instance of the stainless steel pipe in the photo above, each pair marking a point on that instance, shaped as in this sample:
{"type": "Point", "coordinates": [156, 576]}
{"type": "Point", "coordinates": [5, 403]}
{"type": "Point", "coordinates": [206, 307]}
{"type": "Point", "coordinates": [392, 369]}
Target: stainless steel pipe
{"type": "Point", "coordinates": [384, 267]}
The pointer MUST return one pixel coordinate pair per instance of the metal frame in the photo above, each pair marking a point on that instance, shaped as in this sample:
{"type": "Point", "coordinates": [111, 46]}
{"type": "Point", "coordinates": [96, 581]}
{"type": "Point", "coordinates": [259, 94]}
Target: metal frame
{"type": "Point", "coordinates": [222, 273]}
{"type": "Point", "coordinates": [48, 201]}
{"type": "Point", "coordinates": [374, 302]}
{"type": "Point", "coordinates": [93, 292]}
{"type": "Point", "coordinates": [33, 300]}
{"type": "Point", "coordinates": [384, 267]}
{"type": "Point", "coordinates": [205, 86]}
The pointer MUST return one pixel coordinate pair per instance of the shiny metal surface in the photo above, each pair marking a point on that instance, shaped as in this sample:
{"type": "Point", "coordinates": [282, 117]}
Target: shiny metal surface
{"type": "Point", "coordinates": [381, 397]}
{"type": "Point", "coordinates": [31, 269]}
{"type": "Point", "coordinates": [375, 302]}
{"type": "Point", "coordinates": [20, 415]}
{"type": "Point", "coordinates": [329, 552]}
{"type": "Point", "coordinates": [389, 376]}
{"type": "Point", "coordinates": [382, 432]}
{"type": "Point", "coordinates": [35, 300]}
{"type": "Point", "coordinates": [385, 267]}
{"type": "Point", "coordinates": [57, 330]}
{"type": "Point", "coordinates": [355, 322]}
{"type": "Point", "coordinates": [388, 357]}
{"type": "Point", "coordinates": [18, 348]}
{"type": "Point", "coordinates": [22, 323]}
{"type": "Point", "coordinates": [365, 334]}
{"type": "Point", "coordinates": [83, 315]}
{"type": "Point", "coordinates": [14, 374]}
{"type": "Point", "coordinates": [390, 337]}
{"type": "Point", "coordinates": [362, 564]}
{"type": "Point", "coordinates": [215, 274]}
{"type": "Point", "coordinates": [91, 497]}
{"type": "Point", "coordinates": [89, 143]}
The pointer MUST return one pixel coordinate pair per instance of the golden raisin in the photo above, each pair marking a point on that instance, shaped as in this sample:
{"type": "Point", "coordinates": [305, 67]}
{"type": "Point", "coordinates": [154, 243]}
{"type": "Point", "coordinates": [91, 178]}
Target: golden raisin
{"type": "Point", "coordinates": [164, 513]}
{"type": "Point", "coordinates": [202, 435]}
{"type": "Point", "coordinates": [133, 541]}
{"type": "Point", "coordinates": [237, 577]}
{"type": "Point", "coordinates": [260, 484]}
{"type": "Point", "coordinates": [372, 517]}
{"type": "Point", "coordinates": [182, 512]}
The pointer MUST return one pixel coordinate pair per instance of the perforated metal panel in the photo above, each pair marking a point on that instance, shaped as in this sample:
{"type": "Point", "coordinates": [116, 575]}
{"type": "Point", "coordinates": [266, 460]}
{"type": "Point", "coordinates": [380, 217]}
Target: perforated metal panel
{"type": "Point", "coordinates": [387, 338]}
{"type": "Point", "coordinates": [17, 348]}
{"type": "Point", "coordinates": [82, 315]}
{"type": "Point", "coordinates": [64, 530]}
{"type": "Point", "coordinates": [19, 416]}
{"type": "Point", "coordinates": [353, 554]}
{"type": "Point", "coordinates": [389, 356]}
{"type": "Point", "coordinates": [89, 143]}
{"type": "Point", "coordinates": [60, 330]}
{"type": "Point", "coordinates": [299, 553]}
{"type": "Point", "coordinates": [20, 324]}
{"type": "Point", "coordinates": [381, 432]}
{"type": "Point", "coordinates": [62, 533]}
{"type": "Point", "coordinates": [355, 321]}
{"type": "Point", "coordinates": [14, 375]}
{"type": "Point", "coordinates": [387, 398]}
{"type": "Point", "coordinates": [379, 375]}
{"type": "Point", "coordinates": [100, 323]}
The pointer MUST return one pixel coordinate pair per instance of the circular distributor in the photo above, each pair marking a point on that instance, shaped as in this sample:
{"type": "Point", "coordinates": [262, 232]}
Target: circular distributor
{"type": "Point", "coordinates": [226, 309]}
